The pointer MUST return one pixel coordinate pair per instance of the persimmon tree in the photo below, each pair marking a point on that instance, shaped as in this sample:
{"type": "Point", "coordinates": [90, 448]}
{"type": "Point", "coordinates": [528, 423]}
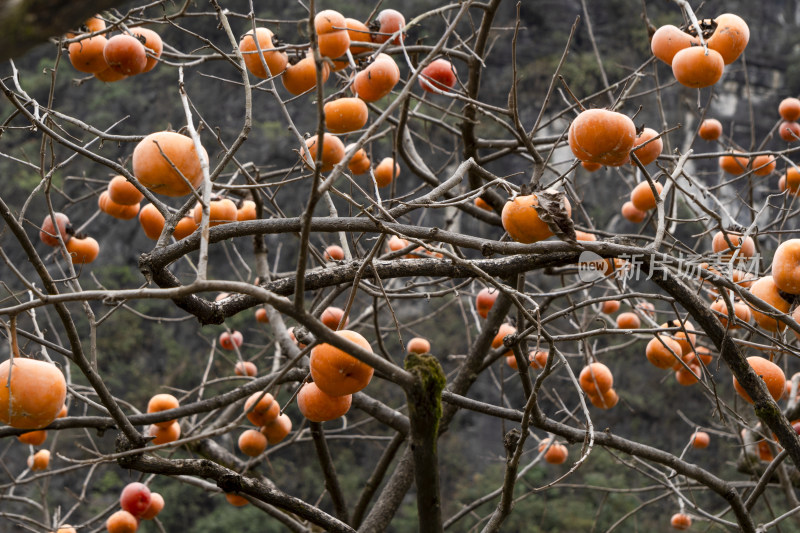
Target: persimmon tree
{"type": "Point", "coordinates": [401, 200]}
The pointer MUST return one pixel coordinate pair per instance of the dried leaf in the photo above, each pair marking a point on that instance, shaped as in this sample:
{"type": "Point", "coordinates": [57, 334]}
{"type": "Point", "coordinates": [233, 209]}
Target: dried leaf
{"type": "Point", "coordinates": [552, 209]}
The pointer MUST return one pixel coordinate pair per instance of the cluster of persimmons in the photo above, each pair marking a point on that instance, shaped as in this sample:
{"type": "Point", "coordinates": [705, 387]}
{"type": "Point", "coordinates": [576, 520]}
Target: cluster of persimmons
{"type": "Point", "coordinates": [168, 163]}
{"type": "Point", "coordinates": [174, 165]}
{"type": "Point", "coordinates": [699, 55]}
{"type": "Point", "coordinates": [137, 503]}
{"type": "Point", "coordinates": [113, 59]}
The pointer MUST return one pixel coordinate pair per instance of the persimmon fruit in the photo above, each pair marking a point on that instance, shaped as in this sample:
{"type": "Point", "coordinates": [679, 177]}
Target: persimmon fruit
{"type": "Point", "coordinates": [503, 331]}
{"type": "Point", "coordinates": [165, 435]}
{"type": "Point", "coordinates": [163, 402]}
{"type": "Point", "coordinates": [163, 159]}
{"type": "Point", "coordinates": [786, 266]}
{"type": "Point", "coordinates": [700, 352]}
{"type": "Point", "coordinates": [789, 109]}
{"type": "Point", "coordinates": [318, 406]}
{"type": "Point", "coordinates": [345, 115]}
{"type": "Point", "coordinates": [152, 221]}
{"type": "Point", "coordinates": [606, 400]}
{"type": "Point", "coordinates": [632, 213]}
{"type": "Point", "coordinates": [302, 76]}
{"type": "Point", "coordinates": [485, 301]}
{"type": "Point", "coordinates": [662, 351]}
{"type": "Point", "coordinates": [122, 522]}
{"type": "Point", "coordinates": [252, 442]}
{"type": "Point", "coordinates": [733, 164]}
{"type": "Point", "coordinates": [47, 231]}
{"type": "Point", "coordinates": [109, 207]}
{"type": "Point", "coordinates": [538, 358]}
{"type": "Point", "coordinates": [695, 68]}
{"type": "Point", "coordinates": [688, 377]}
{"type": "Point", "coordinates": [332, 36]}
{"type": "Point", "coordinates": [595, 378]}
{"type": "Point", "coordinates": [680, 521]}
{"type": "Point", "coordinates": [773, 377]}
{"type": "Point", "coordinates": [741, 312]}
{"type": "Point", "coordinates": [90, 25]}
{"type": "Point", "coordinates": [332, 316]}
{"type": "Point", "coordinates": [438, 76]}
{"type": "Point", "coordinates": [789, 131]}
{"type": "Point", "coordinates": [650, 152]}
{"type": "Point", "coordinates": [135, 498]}
{"type": "Point", "coordinates": [153, 45]}
{"type": "Point", "coordinates": [34, 438]}
{"type": "Point", "coordinates": [246, 211]}
{"type": "Point", "coordinates": [332, 152]}
{"type": "Point", "coordinates": [628, 320]}
{"type": "Point", "coordinates": [790, 181]}
{"type": "Point", "coordinates": [123, 192]}
{"type": "Point", "coordinates": [710, 129]}
{"type": "Point", "coordinates": [335, 371]}
{"type": "Point", "coordinates": [333, 253]}
{"type": "Point", "coordinates": [511, 361]}
{"type": "Point", "coordinates": [220, 211]}
{"type": "Point", "coordinates": [39, 460]}
{"type": "Point", "coordinates": [522, 222]}
{"type": "Point", "coordinates": [33, 395]}
{"type": "Point", "coordinates": [109, 75]}
{"type": "Point", "coordinates": [481, 203]}
{"type": "Point", "coordinates": [668, 40]}
{"type": "Point", "coordinates": [556, 454]}
{"type": "Point", "coordinates": [647, 308]}
{"type": "Point", "coordinates": [236, 500]}
{"type": "Point", "coordinates": [359, 163]}
{"type": "Point", "coordinates": [610, 306]}
{"type": "Point", "coordinates": [278, 429]}
{"type": "Point", "coordinates": [262, 316]}
{"type": "Point", "coordinates": [125, 54]}
{"type": "Point", "coordinates": [642, 196]}
{"type": "Point", "coordinates": [389, 22]}
{"type": "Point", "coordinates": [386, 172]}
{"type": "Point", "coordinates": [357, 31]}
{"type": "Point", "coordinates": [766, 289]}
{"type": "Point", "coordinates": [418, 345]}
{"type": "Point", "coordinates": [377, 80]}
{"type": "Point", "coordinates": [245, 368]}
{"type": "Point", "coordinates": [686, 342]}
{"type": "Point", "coordinates": [745, 245]}
{"type": "Point", "coordinates": [230, 341]}
{"type": "Point", "coordinates": [82, 250]}
{"type": "Point", "coordinates": [602, 136]}
{"type": "Point", "coordinates": [763, 165]}
{"type": "Point", "coordinates": [730, 38]}
{"type": "Point", "coordinates": [155, 507]}
{"type": "Point", "coordinates": [275, 60]}
{"type": "Point", "coordinates": [87, 56]}
{"type": "Point", "coordinates": [261, 408]}
{"type": "Point", "coordinates": [185, 227]}
{"type": "Point", "coordinates": [396, 243]}
{"type": "Point", "coordinates": [700, 440]}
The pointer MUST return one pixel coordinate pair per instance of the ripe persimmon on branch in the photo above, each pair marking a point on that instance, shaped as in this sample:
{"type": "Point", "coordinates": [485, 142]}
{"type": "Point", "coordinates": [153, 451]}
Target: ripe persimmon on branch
{"type": "Point", "coordinates": [319, 258]}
